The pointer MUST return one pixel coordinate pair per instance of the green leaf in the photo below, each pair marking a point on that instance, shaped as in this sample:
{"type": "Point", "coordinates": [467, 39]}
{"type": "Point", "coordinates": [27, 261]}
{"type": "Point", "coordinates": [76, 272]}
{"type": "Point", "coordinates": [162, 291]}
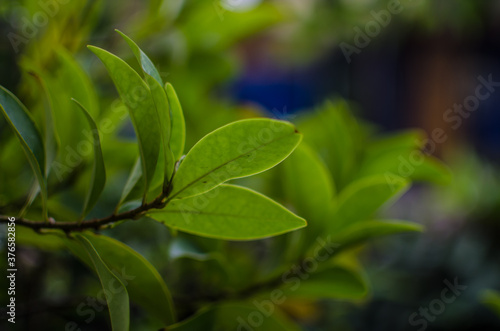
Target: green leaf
{"type": "Point", "coordinates": [230, 316]}
{"type": "Point", "coordinates": [178, 132]}
{"type": "Point", "coordinates": [143, 282]}
{"type": "Point", "coordinates": [333, 283]}
{"type": "Point", "coordinates": [491, 299]}
{"type": "Point", "coordinates": [147, 65]}
{"type": "Point", "coordinates": [407, 140]}
{"type": "Point", "coordinates": [155, 83]}
{"type": "Point", "coordinates": [132, 183]}
{"type": "Point", "coordinates": [28, 237]}
{"type": "Point", "coordinates": [362, 198]}
{"type": "Point", "coordinates": [19, 119]}
{"type": "Point", "coordinates": [229, 212]}
{"type": "Point", "coordinates": [141, 107]}
{"type": "Point", "coordinates": [308, 186]}
{"type": "Point", "coordinates": [77, 83]}
{"type": "Point", "coordinates": [366, 230]}
{"type": "Point", "coordinates": [98, 179]}
{"type": "Point", "coordinates": [236, 150]}
{"type": "Point", "coordinates": [432, 170]}
{"type": "Point", "coordinates": [145, 285]}
{"type": "Point", "coordinates": [51, 138]}
{"type": "Point", "coordinates": [114, 290]}
{"type": "Point", "coordinates": [334, 133]}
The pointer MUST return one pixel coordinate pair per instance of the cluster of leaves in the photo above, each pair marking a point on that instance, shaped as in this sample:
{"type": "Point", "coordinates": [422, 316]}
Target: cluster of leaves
{"type": "Point", "coordinates": [337, 179]}
{"type": "Point", "coordinates": [162, 185]}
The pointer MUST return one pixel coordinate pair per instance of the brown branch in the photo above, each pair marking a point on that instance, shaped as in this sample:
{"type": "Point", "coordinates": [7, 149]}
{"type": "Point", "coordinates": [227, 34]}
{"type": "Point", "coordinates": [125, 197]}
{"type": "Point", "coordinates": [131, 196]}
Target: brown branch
{"type": "Point", "coordinates": [95, 223]}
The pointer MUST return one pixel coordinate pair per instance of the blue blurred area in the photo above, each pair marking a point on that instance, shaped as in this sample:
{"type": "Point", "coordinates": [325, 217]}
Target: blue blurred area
{"type": "Point", "coordinates": [397, 81]}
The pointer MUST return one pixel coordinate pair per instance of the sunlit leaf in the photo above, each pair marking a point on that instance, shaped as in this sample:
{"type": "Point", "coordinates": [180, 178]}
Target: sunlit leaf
{"type": "Point", "coordinates": [144, 284]}
{"type": "Point", "coordinates": [239, 149]}
{"type": "Point", "coordinates": [178, 132]}
{"type": "Point", "coordinates": [229, 212]}
{"type": "Point", "coordinates": [137, 97]}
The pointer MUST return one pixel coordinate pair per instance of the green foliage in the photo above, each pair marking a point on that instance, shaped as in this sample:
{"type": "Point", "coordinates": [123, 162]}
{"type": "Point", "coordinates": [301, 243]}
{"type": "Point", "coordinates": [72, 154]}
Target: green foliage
{"type": "Point", "coordinates": [338, 179]}
{"type": "Point", "coordinates": [231, 316]}
{"type": "Point", "coordinates": [236, 150]}
{"type": "Point", "coordinates": [98, 179]}
{"type": "Point", "coordinates": [117, 298]}
{"type": "Point", "coordinates": [137, 96]}
{"type": "Point", "coordinates": [492, 299]}
{"type": "Point", "coordinates": [229, 212]}
{"type": "Point", "coordinates": [20, 121]}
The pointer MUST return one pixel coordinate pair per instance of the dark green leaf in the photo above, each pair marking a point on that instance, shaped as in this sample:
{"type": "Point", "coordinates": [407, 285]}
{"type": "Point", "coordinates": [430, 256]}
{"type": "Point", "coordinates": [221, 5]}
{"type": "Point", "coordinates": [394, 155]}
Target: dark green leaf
{"type": "Point", "coordinates": [365, 230]}
{"type": "Point", "coordinates": [114, 290]}
{"type": "Point", "coordinates": [491, 299]}
{"type": "Point", "coordinates": [98, 179]}
{"type": "Point", "coordinates": [155, 83]}
{"type": "Point", "coordinates": [309, 188]}
{"type": "Point", "coordinates": [334, 283]}
{"type": "Point", "coordinates": [19, 119]}
{"type": "Point", "coordinates": [229, 316]}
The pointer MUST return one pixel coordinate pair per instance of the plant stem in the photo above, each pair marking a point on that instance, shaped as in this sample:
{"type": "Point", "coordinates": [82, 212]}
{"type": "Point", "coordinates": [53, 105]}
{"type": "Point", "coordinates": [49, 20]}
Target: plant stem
{"type": "Point", "coordinates": [95, 223]}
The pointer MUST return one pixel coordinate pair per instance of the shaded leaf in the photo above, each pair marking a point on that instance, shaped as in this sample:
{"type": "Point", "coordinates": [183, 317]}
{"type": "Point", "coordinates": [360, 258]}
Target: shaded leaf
{"type": "Point", "coordinates": [491, 299]}
{"type": "Point", "coordinates": [98, 179]}
{"type": "Point", "coordinates": [19, 119]}
{"type": "Point", "coordinates": [114, 290]}
{"type": "Point", "coordinates": [362, 198]}
{"type": "Point", "coordinates": [230, 316]}
{"type": "Point", "coordinates": [147, 65]}
{"type": "Point", "coordinates": [143, 282]}
{"type": "Point", "coordinates": [334, 283]}
{"type": "Point", "coordinates": [309, 188]}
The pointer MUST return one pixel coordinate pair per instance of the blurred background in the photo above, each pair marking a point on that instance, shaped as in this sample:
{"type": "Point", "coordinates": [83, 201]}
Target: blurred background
{"type": "Point", "coordinates": [399, 64]}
